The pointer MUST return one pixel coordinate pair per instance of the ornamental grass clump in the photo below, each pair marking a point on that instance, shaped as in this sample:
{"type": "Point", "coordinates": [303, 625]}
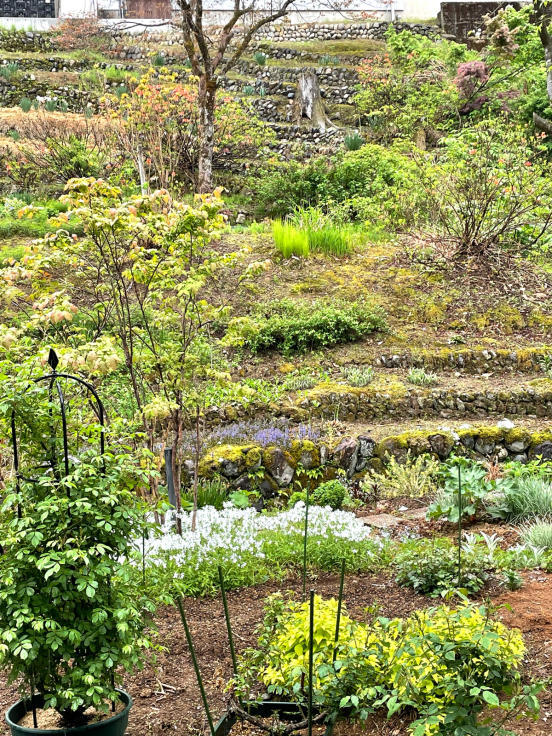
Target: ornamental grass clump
{"type": "Point", "coordinates": [289, 240]}
{"type": "Point", "coordinates": [528, 498]}
{"type": "Point", "coordinates": [446, 664]}
{"type": "Point", "coordinates": [71, 619]}
{"type": "Point", "coordinates": [538, 535]}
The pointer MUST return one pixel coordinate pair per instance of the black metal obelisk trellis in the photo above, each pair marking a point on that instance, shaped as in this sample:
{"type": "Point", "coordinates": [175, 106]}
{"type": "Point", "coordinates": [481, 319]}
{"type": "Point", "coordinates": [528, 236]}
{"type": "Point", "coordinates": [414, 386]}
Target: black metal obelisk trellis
{"type": "Point", "coordinates": [59, 466]}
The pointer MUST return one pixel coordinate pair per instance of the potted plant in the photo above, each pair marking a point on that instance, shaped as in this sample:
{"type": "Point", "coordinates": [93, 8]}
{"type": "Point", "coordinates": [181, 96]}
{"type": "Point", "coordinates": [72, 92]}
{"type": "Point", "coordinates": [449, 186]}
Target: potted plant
{"type": "Point", "coordinates": [71, 618]}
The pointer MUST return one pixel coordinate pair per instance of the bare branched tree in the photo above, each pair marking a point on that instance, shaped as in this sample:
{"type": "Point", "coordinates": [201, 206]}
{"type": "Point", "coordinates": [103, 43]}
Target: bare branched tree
{"type": "Point", "coordinates": [213, 52]}
{"type": "Point", "coordinates": [211, 58]}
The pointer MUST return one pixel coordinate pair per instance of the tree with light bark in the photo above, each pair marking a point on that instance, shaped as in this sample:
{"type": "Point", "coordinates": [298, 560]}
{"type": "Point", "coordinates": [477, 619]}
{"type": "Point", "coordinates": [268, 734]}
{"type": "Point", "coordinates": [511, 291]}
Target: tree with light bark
{"type": "Point", "coordinates": [543, 14]}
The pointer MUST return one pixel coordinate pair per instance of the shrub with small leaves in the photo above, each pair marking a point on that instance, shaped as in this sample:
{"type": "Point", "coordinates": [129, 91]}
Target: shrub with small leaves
{"type": "Point", "coordinates": [446, 664]}
{"type": "Point", "coordinates": [332, 493]}
{"type": "Point", "coordinates": [430, 566]}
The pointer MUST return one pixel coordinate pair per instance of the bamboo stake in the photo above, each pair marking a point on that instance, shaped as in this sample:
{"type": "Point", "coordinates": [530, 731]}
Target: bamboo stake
{"type": "Point", "coordinates": [196, 666]}
{"type": "Point", "coordinates": [339, 605]}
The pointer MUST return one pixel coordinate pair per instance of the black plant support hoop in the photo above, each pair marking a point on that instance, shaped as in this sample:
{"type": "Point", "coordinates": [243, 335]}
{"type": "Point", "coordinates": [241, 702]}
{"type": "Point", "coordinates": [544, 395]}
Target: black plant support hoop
{"type": "Point", "coordinates": [55, 389]}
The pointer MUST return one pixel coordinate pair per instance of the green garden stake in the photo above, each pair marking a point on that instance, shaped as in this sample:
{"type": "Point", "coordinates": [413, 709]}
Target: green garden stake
{"type": "Point", "coordinates": [311, 661]}
{"type": "Point", "coordinates": [459, 526]}
{"type": "Point", "coordinates": [196, 666]}
{"type": "Point", "coordinates": [305, 545]}
{"type": "Point", "coordinates": [228, 625]}
{"type": "Point", "coordinates": [339, 605]}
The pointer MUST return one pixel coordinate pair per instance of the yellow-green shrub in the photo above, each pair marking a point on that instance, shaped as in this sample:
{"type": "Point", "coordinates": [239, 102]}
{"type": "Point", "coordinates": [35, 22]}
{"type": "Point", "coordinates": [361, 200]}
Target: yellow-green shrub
{"type": "Point", "coordinates": [448, 664]}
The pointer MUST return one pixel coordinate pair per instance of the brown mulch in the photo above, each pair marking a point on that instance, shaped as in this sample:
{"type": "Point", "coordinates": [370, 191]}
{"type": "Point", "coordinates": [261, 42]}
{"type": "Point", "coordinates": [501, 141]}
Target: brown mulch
{"type": "Point", "coordinates": [166, 696]}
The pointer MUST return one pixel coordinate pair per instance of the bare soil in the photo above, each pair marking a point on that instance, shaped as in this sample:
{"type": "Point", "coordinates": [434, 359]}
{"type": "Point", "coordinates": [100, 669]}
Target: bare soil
{"type": "Point", "coordinates": [49, 718]}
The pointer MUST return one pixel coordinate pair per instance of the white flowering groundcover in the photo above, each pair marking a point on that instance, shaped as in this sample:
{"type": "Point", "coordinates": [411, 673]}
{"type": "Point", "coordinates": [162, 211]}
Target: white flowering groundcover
{"type": "Point", "coordinates": [253, 547]}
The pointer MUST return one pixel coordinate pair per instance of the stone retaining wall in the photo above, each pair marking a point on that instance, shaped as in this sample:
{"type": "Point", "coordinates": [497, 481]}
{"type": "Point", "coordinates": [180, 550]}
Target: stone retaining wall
{"type": "Point", "coordinates": [25, 41]}
{"type": "Point", "coordinates": [340, 31]}
{"type": "Point", "coordinates": [398, 401]}
{"type": "Point", "coordinates": [11, 94]}
{"type": "Point", "coordinates": [470, 360]}
{"type": "Point", "coordinates": [275, 468]}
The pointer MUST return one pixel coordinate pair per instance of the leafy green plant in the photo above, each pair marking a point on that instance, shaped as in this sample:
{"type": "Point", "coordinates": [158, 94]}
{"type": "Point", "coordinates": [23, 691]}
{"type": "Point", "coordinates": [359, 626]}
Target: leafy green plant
{"type": "Point", "coordinates": [430, 566]}
{"type": "Point", "coordinates": [329, 60]}
{"type": "Point", "coordinates": [332, 493]}
{"type": "Point", "coordinates": [415, 478]}
{"type": "Point", "coordinates": [526, 498]}
{"type": "Point", "coordinates": [210, 492]}
{"type": "Point", "coordinates": [260, 58]}
{"type": "Point", "coordinates": [158, 59]}
{"type": "Point", "coordinates": [71, 620]}
{"type": "Point", "coordinates": [479, 490]}
{"type": "Point", "coordinates": [545, 363]}
{"type": "Point", "coordinates": [300, 380]}
{"type": "Point", "coordinates": [248, 89]}
{"type": "Point", "coordinates": [289, 240]}
{"type": "Point", "coordinates": [419, 377]}
{"type": "Point", "coordinates": [9, 72]}
{"type": "Point", "coordinates": [359, 376]}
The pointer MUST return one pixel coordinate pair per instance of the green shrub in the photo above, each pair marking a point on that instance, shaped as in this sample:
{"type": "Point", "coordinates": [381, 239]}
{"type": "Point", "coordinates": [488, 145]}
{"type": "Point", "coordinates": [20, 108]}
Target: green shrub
{"type": "Point", "coordinates": [260, 58]}
{"type": "Point", "coordinates": [71, 620]}
{"type": "Point", "coordinates": [479, 491]}
{"type": "Point", "coordinates": [430, 566]}
{"type": "Point", "coordinates": [282, 187]}
{"type": "Point", "coordinates": [446, 664]}
{"type": "Point", "coordinates": [289, 240]}
{"type": "Point", "coordinates": [415, 478]}
{"type": "Point", "coordinates": [419, 377]}
{"type": "Point", "coordinates": [497, 182]}
{"type": "Point", "coordinates": [297, 328]}
{"type": "Point", "coordinates": [248, 90]}
{"type": "Point", "coordinates": [332, 493]}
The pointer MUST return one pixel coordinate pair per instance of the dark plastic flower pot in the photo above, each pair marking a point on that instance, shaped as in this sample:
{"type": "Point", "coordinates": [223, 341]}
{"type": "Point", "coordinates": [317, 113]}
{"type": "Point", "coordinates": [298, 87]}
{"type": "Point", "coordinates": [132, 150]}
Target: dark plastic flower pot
{"type": "Point", "coordinates": [289, 712]}
{"type": "Point", "coordinates": [114, 726]}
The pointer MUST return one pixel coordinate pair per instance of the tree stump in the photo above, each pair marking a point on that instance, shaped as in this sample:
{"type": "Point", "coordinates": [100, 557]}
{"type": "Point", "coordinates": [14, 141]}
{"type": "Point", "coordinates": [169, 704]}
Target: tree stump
{"type": "Point", "coordinates": [308, 103]}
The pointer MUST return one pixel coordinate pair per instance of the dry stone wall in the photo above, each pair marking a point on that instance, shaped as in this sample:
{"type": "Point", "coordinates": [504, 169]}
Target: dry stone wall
{"type": "Point", "coordinates": [275, 468]}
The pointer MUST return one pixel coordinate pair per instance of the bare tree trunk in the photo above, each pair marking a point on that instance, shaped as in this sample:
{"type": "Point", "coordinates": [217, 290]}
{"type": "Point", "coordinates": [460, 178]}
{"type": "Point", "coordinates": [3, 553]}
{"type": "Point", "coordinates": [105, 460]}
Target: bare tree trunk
{"type": "Point", "coordinates": [206, 104]}
{"type": "Point", "coordinates": [197, 453]}
{"type": "Point", "coordinates": [177, 469]}
{"type": "Point", "coordinates": [308, 103]}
